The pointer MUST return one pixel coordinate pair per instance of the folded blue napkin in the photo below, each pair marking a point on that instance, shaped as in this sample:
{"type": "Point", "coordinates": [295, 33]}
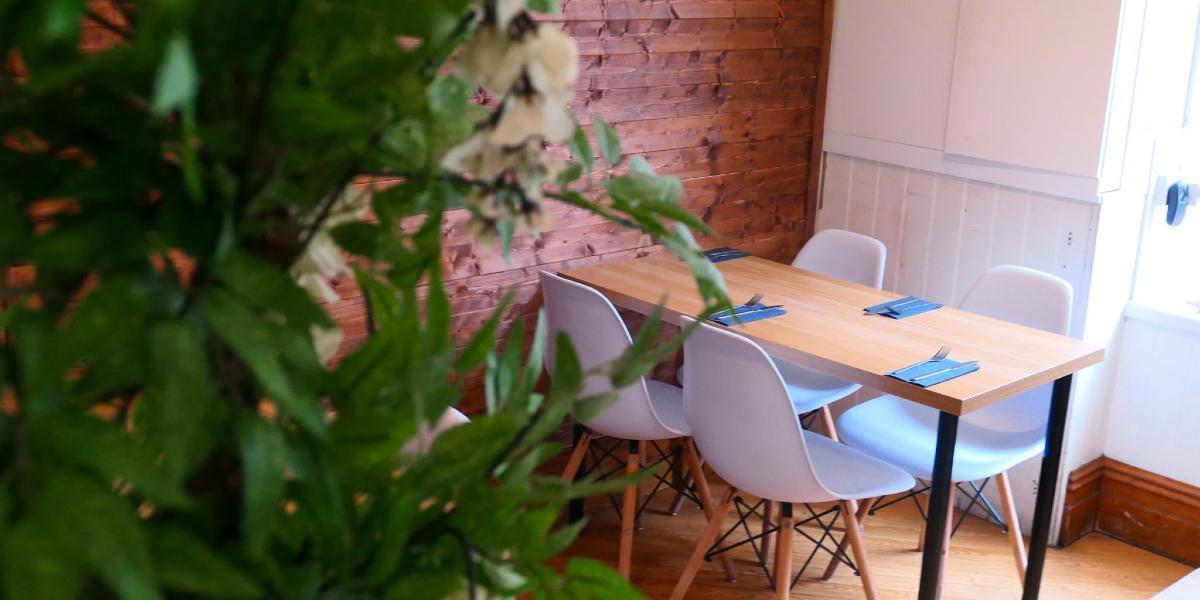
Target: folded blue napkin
{"type": "Point", "coordinates": [914, 372]}
{"type": "Point", "coordinates": [747, 314]}
{"type": "Point", "coordinates": [902, 307]}
{"type": "Point", "coordinates": [723, 254]}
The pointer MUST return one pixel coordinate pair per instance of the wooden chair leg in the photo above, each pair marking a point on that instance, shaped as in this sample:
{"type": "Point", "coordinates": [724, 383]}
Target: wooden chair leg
{"type": "Point", "coordinates": [577, 456]}
{"type": "Point", "coordinates": [783, 552]}
{"type": "Point", "coordinates": [768, 508]}
{"type": "Point", "coordinates": [628, 513]}
{"type": "Point", "coordinates": [1014, 527]}
{"type": "Point", "coordinates": [697, 475]}
{"type": "Point", "coordinates": [706, 539]}
{"type": "Point", "coordinates": [857, 546]}
{"type": "Point", "coordinates": [861, 514]}
{"type": "Point", "coordinates": [644, 455]}
{"type": "Point", "coordinates": [827, 421]}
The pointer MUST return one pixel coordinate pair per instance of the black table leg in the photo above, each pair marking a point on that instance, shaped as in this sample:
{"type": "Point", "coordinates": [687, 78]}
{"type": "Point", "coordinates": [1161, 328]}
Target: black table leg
{"type": "Point", "coordinates": [939, 500]}
{"type": "Point", "coordinates": [575, 507]}
{"type": "Point", "coordinates": [1047, 484]}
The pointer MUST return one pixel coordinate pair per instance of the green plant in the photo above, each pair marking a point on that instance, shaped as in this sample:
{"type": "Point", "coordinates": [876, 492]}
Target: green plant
{"type": "Point", "coordinates": [169, 209]}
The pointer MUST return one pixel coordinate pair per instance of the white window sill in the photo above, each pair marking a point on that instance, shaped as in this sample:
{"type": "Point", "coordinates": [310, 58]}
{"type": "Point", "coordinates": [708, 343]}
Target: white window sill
{"type": "Point", "coordinates": [1178, 318]}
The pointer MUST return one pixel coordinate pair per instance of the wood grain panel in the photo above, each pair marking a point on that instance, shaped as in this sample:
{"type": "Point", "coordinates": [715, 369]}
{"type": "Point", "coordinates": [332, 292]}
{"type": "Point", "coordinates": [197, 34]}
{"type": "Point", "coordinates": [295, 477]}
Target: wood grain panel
{"type": "Point", "coordinates": [1136, 506]}
{"type": "Point", "coordinates": [825, 330]}
{"type": "Point", "coordinates": [720, 93]}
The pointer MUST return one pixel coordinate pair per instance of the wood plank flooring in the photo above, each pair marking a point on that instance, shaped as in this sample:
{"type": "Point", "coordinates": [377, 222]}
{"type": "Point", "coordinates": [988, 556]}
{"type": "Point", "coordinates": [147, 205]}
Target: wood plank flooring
{"type": "Point", "coordinates": [980, 565]}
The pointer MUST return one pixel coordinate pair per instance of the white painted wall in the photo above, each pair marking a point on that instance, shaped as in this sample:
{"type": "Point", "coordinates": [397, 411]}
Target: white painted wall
{"type": "Point", "coordinates": [1150, 420]}
{"type": "Point", "coordinates": [1154, 419]}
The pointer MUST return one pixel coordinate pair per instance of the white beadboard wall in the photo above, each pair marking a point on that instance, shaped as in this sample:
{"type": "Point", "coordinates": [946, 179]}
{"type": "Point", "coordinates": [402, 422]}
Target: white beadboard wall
{"type": "Point", "coordinates": [943, 232]}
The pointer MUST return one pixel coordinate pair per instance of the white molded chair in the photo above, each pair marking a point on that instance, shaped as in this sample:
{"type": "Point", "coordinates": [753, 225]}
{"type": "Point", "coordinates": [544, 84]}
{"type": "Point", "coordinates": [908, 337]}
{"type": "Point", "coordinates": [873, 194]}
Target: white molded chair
{"type": "Point", "coordinates": [738, 408]}
{"type": "Point", "coordinates": [646, 411]}
{"type": "Point", "coordinates": [845, 255]}
{"type": "Point", "coordinates": [991, 440]}
{"type": "Point", "coordinates": [423, 441]}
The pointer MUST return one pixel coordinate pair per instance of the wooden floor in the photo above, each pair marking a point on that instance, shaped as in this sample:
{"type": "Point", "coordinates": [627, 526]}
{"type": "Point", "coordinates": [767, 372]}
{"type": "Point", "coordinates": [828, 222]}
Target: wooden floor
{"type": "Point", "coordinates": [980, 565]}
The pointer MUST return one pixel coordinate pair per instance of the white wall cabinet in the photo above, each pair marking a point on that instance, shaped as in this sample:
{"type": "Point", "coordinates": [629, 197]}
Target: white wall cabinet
{"type": "Point", "coordinates": [1005, 92]}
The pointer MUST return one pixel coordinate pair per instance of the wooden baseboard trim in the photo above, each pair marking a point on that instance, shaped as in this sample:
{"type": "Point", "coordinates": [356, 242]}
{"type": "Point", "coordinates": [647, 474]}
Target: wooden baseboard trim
{"type": "Point", "coordinates": [1133, 505]}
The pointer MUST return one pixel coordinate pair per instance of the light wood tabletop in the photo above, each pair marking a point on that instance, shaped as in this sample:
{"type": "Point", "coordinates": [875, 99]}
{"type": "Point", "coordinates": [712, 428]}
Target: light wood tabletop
{"type": "Point", "coordinates": [825, 329]}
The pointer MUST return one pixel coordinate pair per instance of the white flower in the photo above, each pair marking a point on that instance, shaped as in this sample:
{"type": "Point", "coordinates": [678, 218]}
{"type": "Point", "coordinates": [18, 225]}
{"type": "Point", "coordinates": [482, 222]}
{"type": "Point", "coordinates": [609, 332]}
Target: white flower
{"type": "Point", "coordinates": [326, 341]}
{"type": "Point", "coordinates": [322, 257]}
{"type": "Point", "coordinates": [506, 10]}
{"type": "Point", "coordinates": [527, 117]}
{"type": "Point", "coordinates": [317, 287]}
{"type": "Point", "coordinates": [554, 61]}
{"type": "Point", "coordinates": [494, 60]}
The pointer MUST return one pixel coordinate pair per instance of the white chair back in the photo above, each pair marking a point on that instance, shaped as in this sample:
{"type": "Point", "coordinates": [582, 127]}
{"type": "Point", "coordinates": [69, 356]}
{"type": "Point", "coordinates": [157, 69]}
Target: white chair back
{"type": "Point", "coordinates": [741, 418]}
{"type": "Point", "coordinates": [845, 255]}
{"type": "Point", "coordinates": [599, 336]}
{"type": "Point", "coordinates": [1026, 297]}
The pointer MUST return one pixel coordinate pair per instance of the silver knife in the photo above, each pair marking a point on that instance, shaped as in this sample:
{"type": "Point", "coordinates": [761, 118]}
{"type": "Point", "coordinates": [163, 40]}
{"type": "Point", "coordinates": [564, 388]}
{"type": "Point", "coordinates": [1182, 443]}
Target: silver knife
{"type": "Point", "coordinates": [969, 363]}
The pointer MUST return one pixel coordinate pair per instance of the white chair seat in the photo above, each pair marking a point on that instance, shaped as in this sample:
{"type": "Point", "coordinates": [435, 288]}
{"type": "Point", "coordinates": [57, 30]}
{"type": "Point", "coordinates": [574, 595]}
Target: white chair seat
{"type": "Point", "coordinates": [667, 402]}
{"type": "Point", "coordinates": [850, 474]}
{"type": "Point", "coordinates": [810, 390]}
{"type": "Point", "coordinates": [904, 433]}
{"type": "Point", "coordinates": [423, 441]}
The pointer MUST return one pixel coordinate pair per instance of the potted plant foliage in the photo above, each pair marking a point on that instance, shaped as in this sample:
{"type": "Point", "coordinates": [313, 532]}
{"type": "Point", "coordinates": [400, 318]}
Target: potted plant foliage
{"type": "Point", "coordinates": [171, 209]}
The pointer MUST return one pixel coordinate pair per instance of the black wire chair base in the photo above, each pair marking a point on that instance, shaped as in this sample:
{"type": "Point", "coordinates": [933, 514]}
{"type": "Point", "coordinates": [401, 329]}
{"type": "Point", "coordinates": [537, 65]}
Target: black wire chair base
{"type": "Point", "coordinates": [670, 458]}
{"type": "Point", "coordinates": [973, 491]}
{"type": "Point", "coordinates": [746, 511]}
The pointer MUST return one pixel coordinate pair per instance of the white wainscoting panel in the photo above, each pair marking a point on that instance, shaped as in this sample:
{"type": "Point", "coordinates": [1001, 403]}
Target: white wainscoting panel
{"type": "Point", "coordinates": [943, 232]}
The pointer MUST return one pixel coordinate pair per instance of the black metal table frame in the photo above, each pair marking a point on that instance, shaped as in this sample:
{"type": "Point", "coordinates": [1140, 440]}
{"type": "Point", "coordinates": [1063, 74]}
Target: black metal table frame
{"type": "Point", "coordinates": [939, 497]}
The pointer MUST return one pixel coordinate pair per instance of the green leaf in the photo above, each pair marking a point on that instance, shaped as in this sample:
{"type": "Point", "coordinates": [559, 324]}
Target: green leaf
{"type": "Point", "coordinates": [549, 7]}
{"type": "Point", "coordinates": [177, 80]}
{"type": "Point", "coordinates": [476, 350]}
{"type": "Point", "coordinates": [36, 567]}
{"type": "Point", "coordinates": [176, 412]}
{"type": "Point", "coordinates": [593, 579]}
{"type": "Point", "coordinates": [258, 343]}
{"type": "Point", "coordinates": [186, 564]}
{"type": "Point", "coordinates": [581, 149]}
{"type": "Point", "coordinates": [62, 18]}
{"type": "Point", "coordinates": [638, 164]}
{"type": "Point", "coordinates": [77, 512]}
{"type": "Point", "coordinates": [606, 138]}
{"type": "Point", "coordinates": [105, 449]}
{"type": "Point", "coordinates": [270, 288]}
{"type": "Point", "coordinates": [263, 450]}
{"type": "Point", "coordinates": [571, 172]}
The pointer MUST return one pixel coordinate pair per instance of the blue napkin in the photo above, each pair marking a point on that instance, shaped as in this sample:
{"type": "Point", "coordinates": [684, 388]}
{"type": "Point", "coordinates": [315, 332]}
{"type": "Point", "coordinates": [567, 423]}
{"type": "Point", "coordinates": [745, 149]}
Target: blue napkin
{"type": "Point", "coordinates": [902, 307]}
{"type": "Point", "coordinates": [723, 254]}
{"type": "Point", "coordinates": [729, 318]}
{"type": "Point", "coordinates": [908, 374]}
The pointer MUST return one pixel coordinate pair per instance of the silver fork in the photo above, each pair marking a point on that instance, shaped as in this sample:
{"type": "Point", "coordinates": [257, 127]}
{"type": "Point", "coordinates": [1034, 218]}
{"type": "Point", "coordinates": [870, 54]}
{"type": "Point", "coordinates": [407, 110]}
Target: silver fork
{"type": "Point", "coordinates": [755, 299]}
{"type": "Point", "coordinates": [942, 352]}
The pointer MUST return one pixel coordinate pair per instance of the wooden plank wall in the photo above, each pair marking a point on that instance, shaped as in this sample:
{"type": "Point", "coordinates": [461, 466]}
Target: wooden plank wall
{"type": "Point", "coordinates": [720, 93]}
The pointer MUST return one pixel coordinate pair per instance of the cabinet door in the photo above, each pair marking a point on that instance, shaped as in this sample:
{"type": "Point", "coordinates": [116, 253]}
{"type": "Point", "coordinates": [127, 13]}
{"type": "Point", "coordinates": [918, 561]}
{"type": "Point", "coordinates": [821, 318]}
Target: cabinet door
{"type": "Point", "coordinates": [889, 76]}
{"type": "Point", "coordinates": [1031, 82]}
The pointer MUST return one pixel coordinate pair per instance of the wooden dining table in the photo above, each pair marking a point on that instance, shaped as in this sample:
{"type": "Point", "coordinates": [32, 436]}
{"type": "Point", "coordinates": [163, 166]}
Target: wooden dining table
{"type": "Point", "coordinates": [825, 329]}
